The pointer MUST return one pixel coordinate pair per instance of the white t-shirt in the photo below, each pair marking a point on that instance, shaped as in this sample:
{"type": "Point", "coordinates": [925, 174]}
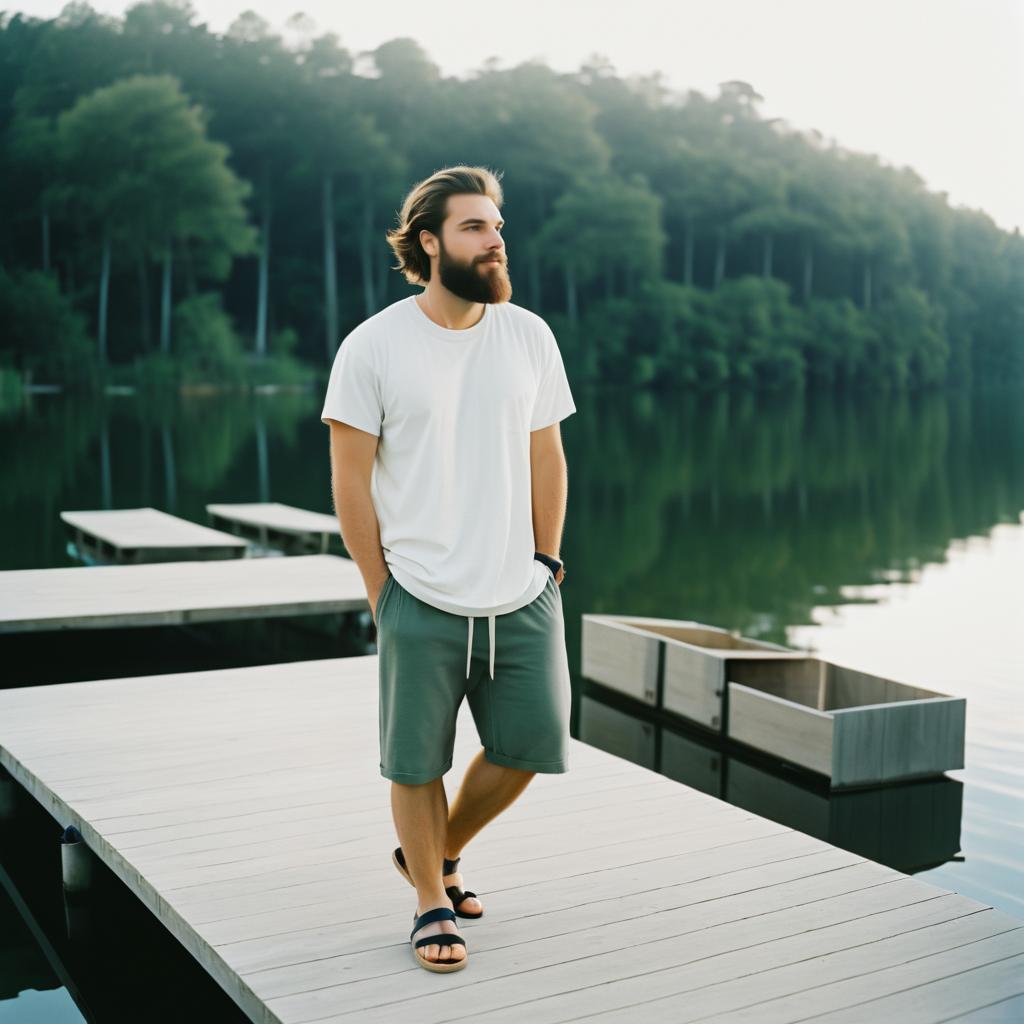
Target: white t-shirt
{"type": "Point", "coordinates": [451, 482]}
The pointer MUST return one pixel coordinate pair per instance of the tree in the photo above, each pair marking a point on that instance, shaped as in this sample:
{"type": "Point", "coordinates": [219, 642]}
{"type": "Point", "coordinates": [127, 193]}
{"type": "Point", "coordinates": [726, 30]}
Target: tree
{"type": "Point", "coordinates": [136, 161]}
{"type": "Point", "coordinates": [606, 230]}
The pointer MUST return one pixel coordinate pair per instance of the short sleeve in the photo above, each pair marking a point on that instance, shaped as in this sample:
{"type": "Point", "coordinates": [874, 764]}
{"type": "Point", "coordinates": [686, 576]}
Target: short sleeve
{"type": "Point", "coordinates": [353, 392]}
{"type": "Point", "coordinates": [554, 399]}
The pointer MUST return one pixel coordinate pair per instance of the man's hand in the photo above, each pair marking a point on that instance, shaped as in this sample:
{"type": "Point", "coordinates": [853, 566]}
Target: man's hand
{"type": "Point", "coordinates": [373, 596]}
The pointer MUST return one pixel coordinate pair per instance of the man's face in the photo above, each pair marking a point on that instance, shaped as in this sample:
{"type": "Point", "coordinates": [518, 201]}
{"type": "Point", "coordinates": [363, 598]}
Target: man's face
{"type": "Point", "coordinates": [472, 262]}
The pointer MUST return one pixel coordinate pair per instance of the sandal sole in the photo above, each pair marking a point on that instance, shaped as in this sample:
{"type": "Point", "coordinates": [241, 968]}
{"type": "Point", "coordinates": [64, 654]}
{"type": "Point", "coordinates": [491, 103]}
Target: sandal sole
{"type": "Point", "coordinates": [440, 968]}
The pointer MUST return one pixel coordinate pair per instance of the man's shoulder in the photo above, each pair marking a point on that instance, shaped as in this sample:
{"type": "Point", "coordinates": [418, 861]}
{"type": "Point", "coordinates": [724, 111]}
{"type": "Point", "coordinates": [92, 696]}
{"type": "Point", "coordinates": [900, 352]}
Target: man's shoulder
{"type": "Point", "coordinates": [384, 318]}
{"type": "Point", "coordinates": [363, 337]}
{"type": "Point", "coordinates": [526, 319]}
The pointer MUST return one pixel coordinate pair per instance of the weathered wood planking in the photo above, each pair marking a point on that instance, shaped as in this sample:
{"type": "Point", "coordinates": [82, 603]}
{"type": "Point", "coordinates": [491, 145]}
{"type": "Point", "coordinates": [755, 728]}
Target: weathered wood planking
{"type": "Point", "coordinates": [268, 520]}
{"type": "Point", "coordinates": [246, 809]}
{"type": "Point", "coordinates": [133, 535]}
{"type": "Point", "coordinates": [624, 652]}
{"type": "Point", "coordinates": [171, 593]}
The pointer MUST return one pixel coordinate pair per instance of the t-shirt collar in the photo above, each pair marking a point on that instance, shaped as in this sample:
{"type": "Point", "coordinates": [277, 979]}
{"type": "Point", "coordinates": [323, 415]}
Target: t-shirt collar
{"type": "Point", "coordinates": [465, 334]}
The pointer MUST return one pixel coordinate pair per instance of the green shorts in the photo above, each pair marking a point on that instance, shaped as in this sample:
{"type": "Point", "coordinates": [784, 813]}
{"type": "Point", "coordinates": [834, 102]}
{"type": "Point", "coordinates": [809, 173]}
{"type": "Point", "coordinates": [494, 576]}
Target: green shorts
{"type": "Point", "coordinates": [424, 655]}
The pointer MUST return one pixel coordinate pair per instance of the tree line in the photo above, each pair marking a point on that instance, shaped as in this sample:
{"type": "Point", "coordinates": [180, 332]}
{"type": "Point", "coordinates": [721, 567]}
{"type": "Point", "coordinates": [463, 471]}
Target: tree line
{"type": "Point", "coordinates": [215, 205]}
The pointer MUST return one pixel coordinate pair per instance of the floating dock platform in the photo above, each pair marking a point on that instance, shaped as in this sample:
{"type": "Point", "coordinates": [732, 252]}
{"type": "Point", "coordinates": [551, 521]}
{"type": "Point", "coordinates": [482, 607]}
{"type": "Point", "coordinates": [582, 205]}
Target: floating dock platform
{"type": "Point", "coordinates": [138, 535]}
{"type": "Point", "coordinates": [854, 728]}
{"type": "Point", "coordinates": [275, 525]}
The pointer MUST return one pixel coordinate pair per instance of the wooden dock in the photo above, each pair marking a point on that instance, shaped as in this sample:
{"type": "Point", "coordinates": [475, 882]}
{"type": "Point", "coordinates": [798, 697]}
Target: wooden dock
{"type": "Point", "coordinates": [172, 593]}
{"type": "Point", "coordinates": [139, 535]}
{"type": "Point", "coordinates": [246, 809]}
{"type": "Point", "coordinates": [277, 525]}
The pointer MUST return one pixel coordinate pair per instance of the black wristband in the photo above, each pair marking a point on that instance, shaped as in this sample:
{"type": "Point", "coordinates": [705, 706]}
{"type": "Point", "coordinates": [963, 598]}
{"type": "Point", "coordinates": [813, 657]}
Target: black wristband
{"type": "Point", "coordinates": [552, 563]}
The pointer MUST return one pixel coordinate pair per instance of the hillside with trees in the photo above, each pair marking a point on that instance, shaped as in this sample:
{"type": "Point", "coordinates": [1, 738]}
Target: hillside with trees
{"type": "Point", "coordinates": [202, 207]}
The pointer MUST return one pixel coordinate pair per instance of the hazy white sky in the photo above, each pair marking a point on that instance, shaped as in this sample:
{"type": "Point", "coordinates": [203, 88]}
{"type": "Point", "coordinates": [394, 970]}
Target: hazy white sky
{"type": "Point", "coordinates": [934, 84]}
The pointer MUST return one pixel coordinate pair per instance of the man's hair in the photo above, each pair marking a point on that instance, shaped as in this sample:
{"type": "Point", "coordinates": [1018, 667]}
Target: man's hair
{"type": "Point", "coordinates": [425, 208]}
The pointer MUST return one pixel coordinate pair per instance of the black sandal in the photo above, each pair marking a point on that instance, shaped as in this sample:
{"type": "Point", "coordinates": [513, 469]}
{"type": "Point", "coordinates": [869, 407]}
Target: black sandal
{"type": "Point", "coordinates": [454, 893]}
{"type": "Point", "coordinates": [444, 939]}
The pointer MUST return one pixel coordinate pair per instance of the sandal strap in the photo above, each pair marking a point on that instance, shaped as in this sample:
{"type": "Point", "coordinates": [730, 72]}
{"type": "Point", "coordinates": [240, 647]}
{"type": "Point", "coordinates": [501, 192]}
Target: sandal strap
{"type": "Point", "coordinates": [449, 867]}
{"type": "Point", "coordinates": [441, 940]}
{"type": "Point", "coordinates": [457, 895]}
{"type": "Point", "coordinates": [429, 916]}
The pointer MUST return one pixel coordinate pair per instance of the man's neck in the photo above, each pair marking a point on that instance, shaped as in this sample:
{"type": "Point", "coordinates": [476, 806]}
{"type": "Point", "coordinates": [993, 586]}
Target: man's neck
{"type": "Point", "coordinates": [448, 310]}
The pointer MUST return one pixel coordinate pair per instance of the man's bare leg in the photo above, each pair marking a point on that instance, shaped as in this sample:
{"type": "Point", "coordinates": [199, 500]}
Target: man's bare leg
{"type": "Point", "coordinates": [421, 820]}
{"type": "Point", "coordinates": [487, 790]}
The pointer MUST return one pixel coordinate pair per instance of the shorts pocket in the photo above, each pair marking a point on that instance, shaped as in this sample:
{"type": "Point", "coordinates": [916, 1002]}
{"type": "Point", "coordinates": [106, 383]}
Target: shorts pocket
{"type": "Point", "coordinates": [382, 598]}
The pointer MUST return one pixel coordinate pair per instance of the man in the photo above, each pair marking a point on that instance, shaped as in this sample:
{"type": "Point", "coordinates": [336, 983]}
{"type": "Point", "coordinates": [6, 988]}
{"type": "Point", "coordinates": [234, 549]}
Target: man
{"type": "Point", "coordinates": [450, 485]}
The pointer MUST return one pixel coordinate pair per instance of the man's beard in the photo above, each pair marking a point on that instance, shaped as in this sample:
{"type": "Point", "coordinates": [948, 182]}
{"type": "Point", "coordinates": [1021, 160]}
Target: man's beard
{"type": "Point", "coordinates": [474, 282]}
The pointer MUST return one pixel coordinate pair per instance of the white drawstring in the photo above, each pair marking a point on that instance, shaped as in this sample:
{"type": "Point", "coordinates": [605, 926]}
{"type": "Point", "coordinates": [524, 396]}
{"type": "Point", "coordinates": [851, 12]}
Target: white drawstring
{"type": "Point", "coordinates": [491, 631]}
{"type": "Point", "coordinates": [469, 645]}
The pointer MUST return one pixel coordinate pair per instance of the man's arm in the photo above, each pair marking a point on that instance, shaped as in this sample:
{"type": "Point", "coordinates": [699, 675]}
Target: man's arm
{"type": "Point", "coordinates": [550, 488]}
{"type": "Point", "coordinates": [352, 455]}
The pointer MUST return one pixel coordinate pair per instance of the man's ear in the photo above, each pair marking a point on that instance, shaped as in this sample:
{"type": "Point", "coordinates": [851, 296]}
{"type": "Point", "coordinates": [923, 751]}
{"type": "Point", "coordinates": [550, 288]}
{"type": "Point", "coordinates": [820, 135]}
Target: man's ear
{"type": "Point", "coordinates": [428, 241]}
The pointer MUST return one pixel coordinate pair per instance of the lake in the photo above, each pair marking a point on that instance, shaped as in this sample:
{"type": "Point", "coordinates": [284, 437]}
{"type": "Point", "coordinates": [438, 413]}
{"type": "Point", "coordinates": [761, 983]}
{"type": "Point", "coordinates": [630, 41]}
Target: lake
{"type": "Point", "coordinates": [884, 532]}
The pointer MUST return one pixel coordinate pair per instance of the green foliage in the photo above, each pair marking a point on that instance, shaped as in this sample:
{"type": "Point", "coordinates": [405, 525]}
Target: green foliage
{"type": "Point", "coordinates": [136, 162]}
{"type": "Point", "coordinates": [912, 348]}
{"type": "Point", "coordinates": [670, 239]}
{"type": "Point", "coordinates": [42, 333]}
{"type": "Point", "coordinates": [209, 353]}
{"type": "Point", "coordinates": [205, 340]}
{"type": "Point", "coordinates": [12, 390]}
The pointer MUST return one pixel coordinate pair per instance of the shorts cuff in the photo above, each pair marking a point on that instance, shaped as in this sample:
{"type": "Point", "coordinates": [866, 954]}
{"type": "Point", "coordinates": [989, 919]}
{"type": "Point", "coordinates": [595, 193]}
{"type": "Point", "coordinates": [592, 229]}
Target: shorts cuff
{"type": "Point", "coordinates": [413, 778]}
{"type": "Point", "coordinates": [554, 767]}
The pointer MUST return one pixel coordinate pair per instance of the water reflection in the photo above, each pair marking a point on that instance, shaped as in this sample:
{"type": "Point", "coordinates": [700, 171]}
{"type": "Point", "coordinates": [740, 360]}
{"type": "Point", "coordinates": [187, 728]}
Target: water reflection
{"type": "Point", "coordinates": [748, 514]}
{"type": "Point", "coordinates": [30, 989]}
{"type": "Point", "coordinates": [909, 827]}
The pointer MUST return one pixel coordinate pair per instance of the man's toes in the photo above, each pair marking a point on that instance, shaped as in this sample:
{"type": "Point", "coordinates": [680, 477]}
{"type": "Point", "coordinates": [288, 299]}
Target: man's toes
{"type": "Point", "coordinates": [430, 952]}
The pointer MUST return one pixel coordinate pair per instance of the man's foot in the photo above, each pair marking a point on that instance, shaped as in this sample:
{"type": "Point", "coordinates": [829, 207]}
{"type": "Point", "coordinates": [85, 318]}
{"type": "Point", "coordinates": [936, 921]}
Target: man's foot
{"type": "Point", "coordinates": [441, 954]}
{"type": "Point", "coordinates": [470, 905]}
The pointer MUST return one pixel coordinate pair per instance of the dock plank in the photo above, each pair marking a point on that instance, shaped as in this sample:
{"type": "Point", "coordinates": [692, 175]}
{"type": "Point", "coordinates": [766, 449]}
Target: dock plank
{"type": "Point", "coordinates": [245, 808]}
{"type": "Point", "coordinates": [172, 593]}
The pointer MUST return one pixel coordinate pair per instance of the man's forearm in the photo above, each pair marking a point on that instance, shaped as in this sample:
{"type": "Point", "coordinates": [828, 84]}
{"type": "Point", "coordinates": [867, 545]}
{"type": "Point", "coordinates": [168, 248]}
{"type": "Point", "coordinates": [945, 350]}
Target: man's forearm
{"type": "Point", "coordinates": [360, 529]}
{"type": "Point", "coordinates": [550, 487]}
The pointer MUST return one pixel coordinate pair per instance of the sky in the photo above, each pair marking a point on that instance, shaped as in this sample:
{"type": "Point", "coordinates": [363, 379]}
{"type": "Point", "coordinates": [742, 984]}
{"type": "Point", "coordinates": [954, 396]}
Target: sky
{"type": "Point", "coordinates": [936, 85]}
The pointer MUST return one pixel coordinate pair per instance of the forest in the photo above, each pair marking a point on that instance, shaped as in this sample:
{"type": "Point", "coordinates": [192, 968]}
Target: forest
{"type": "Point", "coordinates": [185, 207]}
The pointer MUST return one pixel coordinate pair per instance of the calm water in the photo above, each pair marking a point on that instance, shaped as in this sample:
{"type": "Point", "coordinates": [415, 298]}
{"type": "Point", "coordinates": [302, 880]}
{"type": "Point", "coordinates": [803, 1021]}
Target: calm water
{"type": "Point", "coordinates": [883, 533]}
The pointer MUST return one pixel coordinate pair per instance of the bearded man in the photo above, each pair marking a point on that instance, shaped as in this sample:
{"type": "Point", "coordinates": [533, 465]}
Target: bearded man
{"type": "Point", "coordinates": [450, 485]}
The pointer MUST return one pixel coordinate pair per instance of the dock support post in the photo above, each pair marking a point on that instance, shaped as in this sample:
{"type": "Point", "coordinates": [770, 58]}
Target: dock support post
{"type": "Point", "coordinates": [8, 797]}
{"type": "Point", "coordinates": [75, 860]}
